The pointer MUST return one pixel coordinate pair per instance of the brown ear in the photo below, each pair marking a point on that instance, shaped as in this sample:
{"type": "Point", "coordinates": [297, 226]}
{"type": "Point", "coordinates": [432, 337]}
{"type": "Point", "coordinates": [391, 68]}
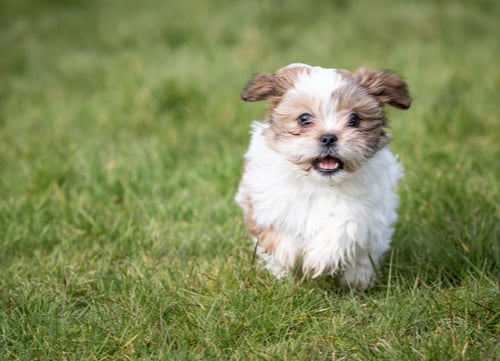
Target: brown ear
{"type": "Point", "coordinates": [260, 87]}
{"type": "Point", "coordinates": [386, 86]}
{"type": "Point", "coordinates": [265, 85]}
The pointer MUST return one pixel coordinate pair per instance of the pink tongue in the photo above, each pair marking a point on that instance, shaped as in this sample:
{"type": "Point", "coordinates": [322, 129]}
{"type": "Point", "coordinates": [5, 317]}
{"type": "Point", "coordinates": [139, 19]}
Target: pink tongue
{"type": "Point", "coordinates": [329, 163]}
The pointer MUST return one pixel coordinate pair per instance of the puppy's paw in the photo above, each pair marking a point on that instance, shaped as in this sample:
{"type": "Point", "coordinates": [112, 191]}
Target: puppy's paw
{"type": "Point", "coordinates": [359, 276]}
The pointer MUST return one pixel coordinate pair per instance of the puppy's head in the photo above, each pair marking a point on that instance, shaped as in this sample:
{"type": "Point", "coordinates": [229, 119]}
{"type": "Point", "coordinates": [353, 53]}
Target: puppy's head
{"type": "Point", "coordinates": [327, 121]}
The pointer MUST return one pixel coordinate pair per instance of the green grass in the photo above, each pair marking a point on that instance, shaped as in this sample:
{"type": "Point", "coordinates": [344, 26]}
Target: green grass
{"type": "Point", "coordinates": [121, 142]}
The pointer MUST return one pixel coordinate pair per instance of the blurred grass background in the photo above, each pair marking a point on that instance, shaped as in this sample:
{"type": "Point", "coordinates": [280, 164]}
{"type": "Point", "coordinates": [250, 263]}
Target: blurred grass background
{"type": "Point", "coordinates": [121, 145]}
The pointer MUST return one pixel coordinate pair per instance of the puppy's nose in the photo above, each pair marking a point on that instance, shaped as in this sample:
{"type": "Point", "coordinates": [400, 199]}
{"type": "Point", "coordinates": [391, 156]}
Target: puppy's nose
{"type": "Point", "coordinates": [328, 140]}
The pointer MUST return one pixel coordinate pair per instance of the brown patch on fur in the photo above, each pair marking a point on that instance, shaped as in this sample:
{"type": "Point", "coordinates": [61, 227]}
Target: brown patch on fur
{"type": "Point", "coordinates": [284, 115]}
{"type": "Point", "coordinates": [351, 98]}
{"type": "Point", "coordinates": [271, 86]}
{"type": "Point", "coordinates": [371, 113]}
{"type": "Point", "coordinates": [267, 238]}
{"type": "Point", "coordinates": [386, 86]}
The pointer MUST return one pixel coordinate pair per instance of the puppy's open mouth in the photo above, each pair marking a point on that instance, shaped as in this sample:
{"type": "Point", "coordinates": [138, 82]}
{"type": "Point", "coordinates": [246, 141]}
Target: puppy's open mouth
{"type": "Point", "coordinates": [328, 165]}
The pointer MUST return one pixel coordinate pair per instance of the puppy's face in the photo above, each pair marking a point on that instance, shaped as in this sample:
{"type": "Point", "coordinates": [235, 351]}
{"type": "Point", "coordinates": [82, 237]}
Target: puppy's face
{"type": "Point", "coordinates": [327, 121]}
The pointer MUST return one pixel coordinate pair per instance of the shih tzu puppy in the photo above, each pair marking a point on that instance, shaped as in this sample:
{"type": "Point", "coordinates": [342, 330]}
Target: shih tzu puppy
{"type": "Point", "coordinates": [318, 188]}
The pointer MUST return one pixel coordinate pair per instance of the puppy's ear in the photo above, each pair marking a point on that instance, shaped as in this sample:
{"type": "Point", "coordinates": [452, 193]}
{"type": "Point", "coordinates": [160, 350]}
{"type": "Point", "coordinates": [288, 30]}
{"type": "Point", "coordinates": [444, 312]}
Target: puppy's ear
{"type": "Point", "coordinates": [260, 87]}
{"type": "Point", "coordinates": [386, 86]}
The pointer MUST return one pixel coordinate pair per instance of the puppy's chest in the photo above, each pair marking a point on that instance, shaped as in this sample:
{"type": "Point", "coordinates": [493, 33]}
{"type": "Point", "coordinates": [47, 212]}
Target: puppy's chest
{"type": "Point", "coordinates": [304, 214]}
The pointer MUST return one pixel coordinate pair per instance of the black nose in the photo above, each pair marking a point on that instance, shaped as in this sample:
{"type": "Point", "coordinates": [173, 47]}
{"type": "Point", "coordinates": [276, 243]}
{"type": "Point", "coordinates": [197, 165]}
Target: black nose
{"type": "Point", "coordinates": [328, 139]}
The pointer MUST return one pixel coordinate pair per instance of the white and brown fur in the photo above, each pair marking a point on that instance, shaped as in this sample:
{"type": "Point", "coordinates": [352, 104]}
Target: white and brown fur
{"type": "Point", "coordinates": [318, 185]}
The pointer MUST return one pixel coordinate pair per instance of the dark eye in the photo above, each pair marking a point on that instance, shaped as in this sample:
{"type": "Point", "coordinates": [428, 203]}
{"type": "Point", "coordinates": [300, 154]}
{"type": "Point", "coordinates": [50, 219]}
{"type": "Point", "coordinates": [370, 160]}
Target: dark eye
{"type": "Point", "coordinates": [353, 120]}
{"type": "Point", "coordinates": [305, 119]}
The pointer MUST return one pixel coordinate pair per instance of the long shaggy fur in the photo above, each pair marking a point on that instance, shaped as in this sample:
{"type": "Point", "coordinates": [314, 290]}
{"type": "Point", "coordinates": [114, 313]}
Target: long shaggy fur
{"type": "Point", "coordinates": [327, 208]}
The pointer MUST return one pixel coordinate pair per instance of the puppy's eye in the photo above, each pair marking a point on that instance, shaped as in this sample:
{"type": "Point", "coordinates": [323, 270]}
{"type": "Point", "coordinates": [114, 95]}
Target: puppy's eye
{"type": "Point", "coordinates": [353, 120]}
{"type": "Point", "coordinates": [305, 119]}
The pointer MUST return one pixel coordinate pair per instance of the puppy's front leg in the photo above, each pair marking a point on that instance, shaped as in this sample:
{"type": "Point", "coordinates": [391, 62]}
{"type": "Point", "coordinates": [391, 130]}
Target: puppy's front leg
{"type": "Point", "coordinates": [360, 274]}
{"type": "Point", "coordinates": [281, 259]}
{"type": "Point", "coordinates": [274, 247]}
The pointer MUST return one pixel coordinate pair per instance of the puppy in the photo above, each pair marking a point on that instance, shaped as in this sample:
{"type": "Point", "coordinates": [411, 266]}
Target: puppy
{"type": "Point", "coordinates": [317, 189]}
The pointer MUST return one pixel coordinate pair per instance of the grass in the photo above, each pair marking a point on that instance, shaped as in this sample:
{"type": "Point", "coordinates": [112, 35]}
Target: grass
{"type": "Point", "coordinates": [121, 145]}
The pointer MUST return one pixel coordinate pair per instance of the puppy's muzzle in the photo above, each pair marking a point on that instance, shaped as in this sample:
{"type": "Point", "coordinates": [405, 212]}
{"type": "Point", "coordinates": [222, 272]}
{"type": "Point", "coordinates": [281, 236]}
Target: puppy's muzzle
{"type": "Point", "coordinates": [328, 140]}
{"type": "Point", "coordinates": [328, 163]}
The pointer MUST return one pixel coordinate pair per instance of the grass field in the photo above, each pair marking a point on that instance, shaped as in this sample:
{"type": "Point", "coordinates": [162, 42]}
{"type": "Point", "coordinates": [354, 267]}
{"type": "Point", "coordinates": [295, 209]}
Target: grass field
{"type": "Point", "coordinates": [121, 143]}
